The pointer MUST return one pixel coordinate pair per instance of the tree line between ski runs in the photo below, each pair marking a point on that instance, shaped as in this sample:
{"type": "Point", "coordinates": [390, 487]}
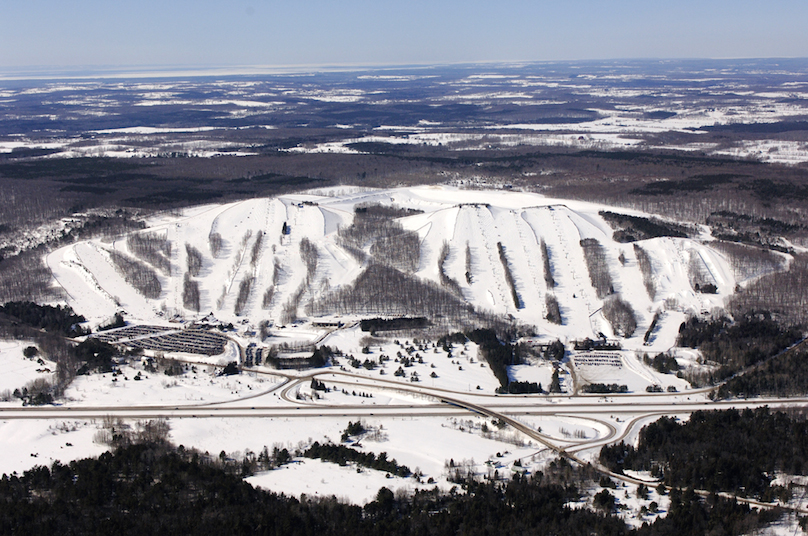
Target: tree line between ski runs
{"type": "Point", "coordinates": [153, 488]}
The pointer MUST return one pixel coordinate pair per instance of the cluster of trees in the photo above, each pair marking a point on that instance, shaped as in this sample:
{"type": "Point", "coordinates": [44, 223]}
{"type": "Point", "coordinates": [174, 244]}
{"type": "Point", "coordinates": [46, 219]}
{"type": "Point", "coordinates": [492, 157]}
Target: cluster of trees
{"type": "Point", "coordinates": [633, 228]}
{"type": "Point", "coordinates": [116, 321]}
{"type": "Point", "coordinates": [94, 355]}
{"type": "Point", "coordinates": [193, 260]}
{"type": "Point", "coordinates": [749, 261]}
{"type": "Point", "coordinates": [37, 392]}
{"type": "Point", "coordinates": [290, 308]}
{"type": "Point", "coordinates": [255, 254]}
{"type": "Point", "coordinates": [138, 275]}
{"type": "Point", "coordinates": [646, 269]}
{"type": "Point", "coordinates": [445, 280]}
{"type": "Point", "coordinates": [341, 455]}
{"type": "Point", "coordinates": [269, 293]}
{"type": "Point", "coordinates": [784, 294]}
{"type": "Point", "coordinates": [598, 266]}
{"type": "Point", "coordinates": [757, 231]}
{"type": "Point", "coordinates": [548, 270]}
{"type": "Point", "coordinates": [152, 248]}
{"type": "Point", "coordinates": [216, 243]}
{"type": "Point", "coordinates": [190, 293]}
{"type": "Point", "coordinates": [553, 309]}
{"type": "Point", "coordinates": [519, 388]}
{"type": "Point", "coordinates": [48, 326]}
{"type": "Point", "coordinates": [737, 452]}
{"type": "Point", "coordinates": [119, 434]}
{"type": "Point", "coordinates": [620, 315]}
{"type": "Point", "coordinates": [663, 363]}
{"type": "Point", "coordinates": [26, 277]}
{"type": "Point", "coordinates": [393, 324]}
{"type": "Point", "coordinates": [784, 375]}
{"type": "Point", "coordinates": [555, 350]}
{"type": "Point", "coordinates": [266, 299]}
{"type": "Point", "coordinates": [397, 246]}
{"type": "Point", "coordinates": [517, 302]}
{"type": "Point", "coordinates": [310, 257]}
{"type": "Point", "coordinates": [389, 242]}
{"type": "Point", "coordinates": [380, 211]}
{"type": "Point", "coordinates": [244, 289]}
{"type": "Point", "coordinates": [384, 291]}
{"type": "Point", "coordinates": [652, 327]}
{"type": "Point", "coordinates": [468, 263]}
{"type": "Point", "coordinates": [604, 388]}
{"type": "Point", "coordinates": [147, 488]}
{"type": "Point", "coordinates": [58, 319]}
{"type": "Point", "coordinates": [353, 429]}
{"type": "Point", "coordinates": [498, 354]}
{"type": "Point", "coordinates": [733, 346]}
{"type": "Point", "coordinates": [699, 275]}
{"type": "Point", "coordinates": [245, 286]}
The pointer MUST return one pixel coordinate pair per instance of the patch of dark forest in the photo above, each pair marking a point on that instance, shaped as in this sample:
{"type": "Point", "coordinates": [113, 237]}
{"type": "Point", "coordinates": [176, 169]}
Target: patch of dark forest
{"type": "Point", "coordinates": [151, 487]}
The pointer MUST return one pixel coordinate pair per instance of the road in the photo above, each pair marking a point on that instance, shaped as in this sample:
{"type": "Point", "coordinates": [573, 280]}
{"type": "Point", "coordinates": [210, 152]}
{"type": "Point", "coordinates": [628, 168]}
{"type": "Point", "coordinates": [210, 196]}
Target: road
{"type": "Point", "coordinates": [617, 417]}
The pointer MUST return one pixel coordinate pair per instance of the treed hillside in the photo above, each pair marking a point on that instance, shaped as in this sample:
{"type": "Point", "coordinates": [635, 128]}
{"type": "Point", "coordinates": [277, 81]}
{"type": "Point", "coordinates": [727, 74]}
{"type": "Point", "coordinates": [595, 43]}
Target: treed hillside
{"type": "Point", "coordinates": [453, 256]}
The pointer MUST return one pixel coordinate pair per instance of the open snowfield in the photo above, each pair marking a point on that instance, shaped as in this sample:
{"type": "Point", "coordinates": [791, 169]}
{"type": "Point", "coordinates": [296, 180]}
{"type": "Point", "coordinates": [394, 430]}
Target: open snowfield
{"type": "Point", "coordinates": [478, 219]}
{"type": "Point", "coordinates": [374, 374]}
{"type": "Point", "coordinates": [18, 370]}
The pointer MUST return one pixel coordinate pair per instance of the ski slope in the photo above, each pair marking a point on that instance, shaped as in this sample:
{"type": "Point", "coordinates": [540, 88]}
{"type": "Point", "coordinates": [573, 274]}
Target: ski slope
{"type": "Point", "coordinates": [475, 219]}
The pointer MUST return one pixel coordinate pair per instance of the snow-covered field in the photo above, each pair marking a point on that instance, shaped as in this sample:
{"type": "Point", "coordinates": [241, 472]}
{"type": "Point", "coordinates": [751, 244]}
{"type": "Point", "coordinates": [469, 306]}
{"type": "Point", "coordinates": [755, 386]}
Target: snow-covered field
{"type": "Point", "coordinates": [478, 219]}
{"type": "Point", "coordinates": [430, 436]}
{"type": "Point", "coordinates": [18, 370]}
{"type": "Point", "coordinates": [599, 106]}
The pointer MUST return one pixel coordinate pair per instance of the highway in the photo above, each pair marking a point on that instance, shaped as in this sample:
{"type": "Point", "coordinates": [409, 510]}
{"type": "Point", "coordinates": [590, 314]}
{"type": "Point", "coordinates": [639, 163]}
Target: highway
{"type": "Point", "coordinates": [617, 416]}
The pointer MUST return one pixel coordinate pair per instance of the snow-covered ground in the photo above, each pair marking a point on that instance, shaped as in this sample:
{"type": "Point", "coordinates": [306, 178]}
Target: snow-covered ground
{"type": "Point", "coordinates": [479, 220]}
{"type": "Point", "coordinates": [423, 441]}
{"type": "Point", "coordinates": [18, 370]}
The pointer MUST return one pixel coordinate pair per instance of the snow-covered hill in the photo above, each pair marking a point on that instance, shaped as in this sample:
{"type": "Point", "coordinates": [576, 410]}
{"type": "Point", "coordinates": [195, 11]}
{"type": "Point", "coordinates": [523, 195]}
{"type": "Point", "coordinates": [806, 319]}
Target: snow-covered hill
{"type": "Point", "coordinates": [481, 229]}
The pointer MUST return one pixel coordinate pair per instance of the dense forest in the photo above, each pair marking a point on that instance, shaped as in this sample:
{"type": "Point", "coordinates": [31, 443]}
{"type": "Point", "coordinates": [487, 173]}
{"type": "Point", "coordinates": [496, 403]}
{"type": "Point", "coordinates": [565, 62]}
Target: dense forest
{"type": "Point", "coordinates": [733, 346]}
{"type": "Point", "coordinates": [56, 319]}
{"type": "Point", "coordinates": [784, 375]}
{"type": "Point", "coordinates": [147, 488]}
{"type": "Point", "coordinates": [738, 452]}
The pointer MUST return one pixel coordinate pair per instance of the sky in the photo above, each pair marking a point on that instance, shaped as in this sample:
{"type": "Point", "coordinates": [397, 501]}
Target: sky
{"type": "Point", "coordinates": [54, 35]}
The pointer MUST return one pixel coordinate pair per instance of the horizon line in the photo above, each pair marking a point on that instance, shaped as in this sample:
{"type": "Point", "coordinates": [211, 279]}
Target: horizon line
{"type": "Point", "coordinates": [44, 73]}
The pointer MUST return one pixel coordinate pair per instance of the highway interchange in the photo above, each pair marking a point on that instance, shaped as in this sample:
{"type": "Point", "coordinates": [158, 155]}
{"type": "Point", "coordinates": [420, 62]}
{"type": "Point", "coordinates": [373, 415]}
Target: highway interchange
{"type": "Point", "coordinates": [616, 417]}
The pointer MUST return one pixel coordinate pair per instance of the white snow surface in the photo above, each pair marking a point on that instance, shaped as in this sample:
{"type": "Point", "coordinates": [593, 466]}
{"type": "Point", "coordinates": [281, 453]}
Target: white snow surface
{"type": "Point", "coordinates": [477, 218]}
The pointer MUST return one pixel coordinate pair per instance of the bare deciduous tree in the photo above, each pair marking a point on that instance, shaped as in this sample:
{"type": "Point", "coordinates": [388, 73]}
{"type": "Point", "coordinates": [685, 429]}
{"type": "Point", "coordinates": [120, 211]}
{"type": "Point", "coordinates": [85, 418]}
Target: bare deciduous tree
{"type": "Point", "coordinates": [190, 293]}
{"type": "Point", "coordinates": [553, 310]}
{"type": "Point", "coordinates": [310, 256]}
{"type": "Point", "coordinates": [216, 243]}
{"type": "Point", "coordinates": [445, 280]}
{"type": "Point", "coordinates": [646, 268]}
{"type": "Point", "coordinates": [152, 248]}
{"type": "Point", "coordinates": [548, 271]}
{"type": "Point", "coordinates": [620, 315]}
{"type": "Point", "coordinates": [597, 264]}
{"type": "Point", "coordinates": [517, 302]}
{"type": "Point", "coordinates": [193, 259]}
{"type": "Point", "coordinates": [468, 263]}
{"type": "Point", "coordinates": [137, 274]}
{"type": "Point", "coordinates": [244, 289]}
